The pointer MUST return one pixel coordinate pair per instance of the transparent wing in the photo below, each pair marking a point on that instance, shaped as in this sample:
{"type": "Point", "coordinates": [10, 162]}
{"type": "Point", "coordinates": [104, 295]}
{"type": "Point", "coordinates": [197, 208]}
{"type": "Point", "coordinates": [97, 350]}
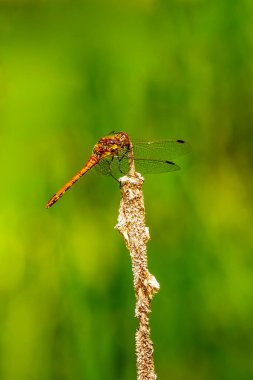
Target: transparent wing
{"type": "Point", "coordinates": [160, 150]}
{"type": "Point", "coordinates": [147, 166]}
{"type": "Point", "coordinates": [117, 166]}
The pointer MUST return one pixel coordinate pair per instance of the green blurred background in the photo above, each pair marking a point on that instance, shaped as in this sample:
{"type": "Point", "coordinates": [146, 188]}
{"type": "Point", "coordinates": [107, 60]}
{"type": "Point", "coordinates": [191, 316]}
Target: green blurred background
{"type": "Point", "coordinates": [70, 72]}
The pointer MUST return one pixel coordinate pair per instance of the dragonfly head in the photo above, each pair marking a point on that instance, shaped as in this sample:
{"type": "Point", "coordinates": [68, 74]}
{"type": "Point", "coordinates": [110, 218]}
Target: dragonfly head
{"type": "Point", "coordinates": [122, 138]}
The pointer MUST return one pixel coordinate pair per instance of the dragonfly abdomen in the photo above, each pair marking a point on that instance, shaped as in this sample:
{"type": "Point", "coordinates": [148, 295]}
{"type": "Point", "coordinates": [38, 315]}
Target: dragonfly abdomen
{"type": "Point", "coordinates": [93, 160]}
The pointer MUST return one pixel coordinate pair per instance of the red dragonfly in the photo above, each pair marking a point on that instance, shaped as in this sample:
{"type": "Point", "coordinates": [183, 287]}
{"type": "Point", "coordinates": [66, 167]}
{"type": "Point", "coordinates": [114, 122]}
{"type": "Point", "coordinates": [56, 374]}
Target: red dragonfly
{"type": "Point", "coordinates": [113, 153]}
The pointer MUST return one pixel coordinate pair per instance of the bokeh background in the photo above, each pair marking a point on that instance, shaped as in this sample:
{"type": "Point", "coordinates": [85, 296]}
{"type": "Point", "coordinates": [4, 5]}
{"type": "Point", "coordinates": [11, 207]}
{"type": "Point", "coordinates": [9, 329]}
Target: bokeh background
{"type": "Point", "coordinates": [70, 72]}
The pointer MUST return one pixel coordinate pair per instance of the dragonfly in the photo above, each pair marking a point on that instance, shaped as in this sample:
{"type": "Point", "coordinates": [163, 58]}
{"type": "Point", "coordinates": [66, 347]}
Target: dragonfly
{"type": "Point", "coordinates": [114, 153]}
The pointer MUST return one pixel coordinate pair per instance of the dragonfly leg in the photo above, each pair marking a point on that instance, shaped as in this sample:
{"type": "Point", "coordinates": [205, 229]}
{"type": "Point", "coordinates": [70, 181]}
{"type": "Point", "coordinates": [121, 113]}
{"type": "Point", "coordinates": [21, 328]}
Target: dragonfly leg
{"type": "Point", "coordinates": [120, 158]}
{"type": "Point", "coordinates": [116, 179]}
{"type": "Point", "coordinates": [110, 169]}
{"type": "Point", "coordinates": [119, 166]}
{"type": "Point", "coordinates": [124, 156]}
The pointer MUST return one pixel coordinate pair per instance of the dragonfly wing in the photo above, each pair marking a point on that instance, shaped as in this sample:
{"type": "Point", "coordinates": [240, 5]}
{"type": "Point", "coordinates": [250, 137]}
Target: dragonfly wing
{"type": "Point", "coordinates": [161, 150]}
{"type": "Point", "coordinates": [102, 167]}
{"type": "Point", "coordinates": [147, 166]}
{"type": "Point", "coordinates": [117, 166]}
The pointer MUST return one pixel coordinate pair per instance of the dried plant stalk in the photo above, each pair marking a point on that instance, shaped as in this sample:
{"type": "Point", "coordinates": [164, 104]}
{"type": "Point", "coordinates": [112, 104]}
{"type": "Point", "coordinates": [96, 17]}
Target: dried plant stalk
{"type": "Point", "coordinates": [131, 225]}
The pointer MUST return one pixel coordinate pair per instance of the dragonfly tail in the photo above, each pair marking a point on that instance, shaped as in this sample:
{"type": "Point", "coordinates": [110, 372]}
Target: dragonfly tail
{"type": "Point", "coordinates": [93, 160]}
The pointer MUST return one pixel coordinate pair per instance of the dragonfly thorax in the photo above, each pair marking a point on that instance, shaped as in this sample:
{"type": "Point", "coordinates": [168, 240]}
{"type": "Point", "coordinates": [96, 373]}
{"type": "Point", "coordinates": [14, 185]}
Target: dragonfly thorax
{"type": "Point", "coordinates": [112, 145]}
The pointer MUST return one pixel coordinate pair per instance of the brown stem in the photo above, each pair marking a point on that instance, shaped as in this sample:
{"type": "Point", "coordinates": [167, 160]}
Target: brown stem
{"type": "Point", "coordinates": [131, 225]}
